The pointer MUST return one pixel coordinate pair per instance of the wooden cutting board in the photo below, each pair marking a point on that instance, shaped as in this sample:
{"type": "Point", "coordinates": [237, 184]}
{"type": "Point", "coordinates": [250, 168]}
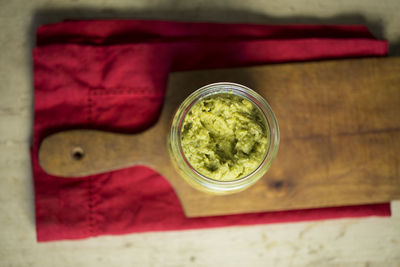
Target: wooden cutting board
{"type": "Point", "coordinates": [340, 138]}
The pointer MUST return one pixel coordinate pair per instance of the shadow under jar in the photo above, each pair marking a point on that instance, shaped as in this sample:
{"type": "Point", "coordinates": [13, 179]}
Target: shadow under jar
{"type": "Point", "coordinates": [223, 138]}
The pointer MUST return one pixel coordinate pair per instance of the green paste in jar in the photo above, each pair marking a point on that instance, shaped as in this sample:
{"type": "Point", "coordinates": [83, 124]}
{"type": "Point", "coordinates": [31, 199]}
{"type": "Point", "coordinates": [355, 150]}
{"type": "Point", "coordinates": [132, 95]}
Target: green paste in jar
{"type": "Point", "coordinates": [224, 137]}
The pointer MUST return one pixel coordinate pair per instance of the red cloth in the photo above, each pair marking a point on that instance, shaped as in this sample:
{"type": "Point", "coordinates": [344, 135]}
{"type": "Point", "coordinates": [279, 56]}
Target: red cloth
{"type": "Point", "coordinates": [112, 74]}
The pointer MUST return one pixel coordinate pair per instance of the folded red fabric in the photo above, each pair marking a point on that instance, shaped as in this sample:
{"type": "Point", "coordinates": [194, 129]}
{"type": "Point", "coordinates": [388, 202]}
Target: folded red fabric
{"type": "Point", "coordinates": [111, 75]}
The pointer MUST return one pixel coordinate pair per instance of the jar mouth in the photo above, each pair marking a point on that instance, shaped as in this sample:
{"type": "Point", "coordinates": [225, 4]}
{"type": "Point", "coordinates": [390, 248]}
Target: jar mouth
{"type": "Point", "coordinates": [220, 92]}
{"type": "Point", "coordinates": [268, 119]}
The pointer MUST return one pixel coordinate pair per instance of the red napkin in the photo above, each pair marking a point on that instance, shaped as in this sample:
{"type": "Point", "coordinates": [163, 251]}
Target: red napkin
{"type": "Point", "coordinates": [112, 75]}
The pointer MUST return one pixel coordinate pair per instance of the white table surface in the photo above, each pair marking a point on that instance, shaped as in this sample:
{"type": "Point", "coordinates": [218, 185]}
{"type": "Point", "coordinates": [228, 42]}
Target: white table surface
{"type": "Point", "coordinates": [345, 242]}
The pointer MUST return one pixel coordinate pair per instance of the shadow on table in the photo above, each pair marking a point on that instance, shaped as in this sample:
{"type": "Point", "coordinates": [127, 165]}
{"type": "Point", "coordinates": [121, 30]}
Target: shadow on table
{"type": "Point", "coordinates": [209, 14]}
{"type": "Point", "coordinates": [394, 48]}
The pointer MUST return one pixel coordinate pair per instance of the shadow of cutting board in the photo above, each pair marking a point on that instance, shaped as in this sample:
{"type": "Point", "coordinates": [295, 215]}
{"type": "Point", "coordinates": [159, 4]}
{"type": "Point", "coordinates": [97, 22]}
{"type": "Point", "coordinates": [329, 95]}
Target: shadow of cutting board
{"type": "Point", "coordinates": [340, 136]}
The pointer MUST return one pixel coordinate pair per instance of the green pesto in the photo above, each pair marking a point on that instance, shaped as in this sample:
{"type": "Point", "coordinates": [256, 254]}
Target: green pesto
{"type": "Point", "coordinates": [224, 137]}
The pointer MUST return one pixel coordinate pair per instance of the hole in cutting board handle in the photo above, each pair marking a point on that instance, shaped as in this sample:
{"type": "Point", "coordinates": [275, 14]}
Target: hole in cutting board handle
{"type": "Point", "coordinates": [77, 153]}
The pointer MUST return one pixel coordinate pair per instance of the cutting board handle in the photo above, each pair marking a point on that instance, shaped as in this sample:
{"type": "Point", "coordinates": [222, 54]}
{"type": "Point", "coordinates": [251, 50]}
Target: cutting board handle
{"type": "Point", "coordinates": [78, 153]}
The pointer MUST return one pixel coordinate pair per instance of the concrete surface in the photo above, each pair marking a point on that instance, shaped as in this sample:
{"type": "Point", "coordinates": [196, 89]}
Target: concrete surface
{"type": "Point", "coordinates": [345, 242]}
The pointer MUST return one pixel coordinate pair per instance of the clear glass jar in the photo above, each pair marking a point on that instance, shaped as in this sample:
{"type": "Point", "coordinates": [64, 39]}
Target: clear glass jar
{"type": "Point", "coordinates": [196, 179]}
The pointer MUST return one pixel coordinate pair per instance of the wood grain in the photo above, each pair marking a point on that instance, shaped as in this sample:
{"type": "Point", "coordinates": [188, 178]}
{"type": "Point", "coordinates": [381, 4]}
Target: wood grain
{"type": "Point", "coordinates": [340, 138]}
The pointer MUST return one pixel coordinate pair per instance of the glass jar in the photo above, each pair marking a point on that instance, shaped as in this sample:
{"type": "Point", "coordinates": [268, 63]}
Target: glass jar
{"type": "Point", "coordinates": [196, 179]}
